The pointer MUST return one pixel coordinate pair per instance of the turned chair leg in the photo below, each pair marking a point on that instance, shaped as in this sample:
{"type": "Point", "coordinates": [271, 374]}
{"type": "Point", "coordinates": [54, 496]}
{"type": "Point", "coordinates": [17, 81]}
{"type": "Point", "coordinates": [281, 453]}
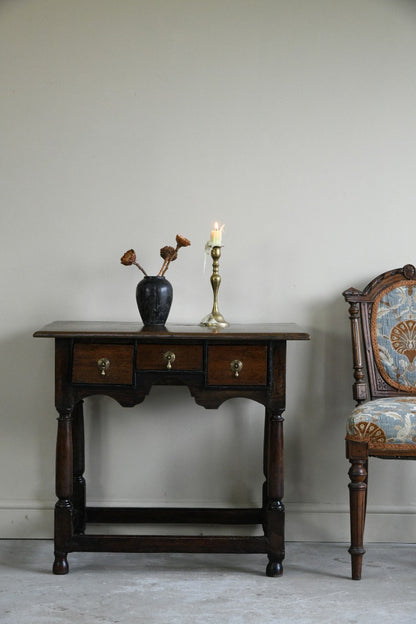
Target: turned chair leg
{"type": "Point", "coordinates": [358, 501]}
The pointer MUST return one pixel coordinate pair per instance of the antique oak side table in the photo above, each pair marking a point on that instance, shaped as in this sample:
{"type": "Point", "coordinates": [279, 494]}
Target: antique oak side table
{"type": "Point", "coordinates": [123, 361]}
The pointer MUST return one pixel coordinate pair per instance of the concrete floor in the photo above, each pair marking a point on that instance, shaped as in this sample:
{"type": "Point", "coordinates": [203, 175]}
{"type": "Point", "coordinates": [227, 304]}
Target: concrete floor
{"type": "Point", "coordinates": [191, 589]}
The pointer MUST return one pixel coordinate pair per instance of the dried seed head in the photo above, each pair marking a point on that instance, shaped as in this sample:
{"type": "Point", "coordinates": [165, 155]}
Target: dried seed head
{"type": "Point", "coordinates": [128, 258]}
{"type": "Point", "coordinates": [181, 241]}
{"type": "Point", "coordinates": [168, 253]}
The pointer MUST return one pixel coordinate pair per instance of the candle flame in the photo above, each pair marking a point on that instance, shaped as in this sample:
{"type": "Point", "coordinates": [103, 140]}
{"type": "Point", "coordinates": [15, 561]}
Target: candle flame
{"type": "Point", "coordinates": [217, 226]}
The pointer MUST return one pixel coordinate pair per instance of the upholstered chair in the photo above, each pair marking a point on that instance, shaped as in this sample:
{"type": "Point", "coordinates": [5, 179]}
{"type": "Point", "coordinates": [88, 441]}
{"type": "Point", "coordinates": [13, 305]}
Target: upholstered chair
{"type": "Point", "coordinates": [383, 423]}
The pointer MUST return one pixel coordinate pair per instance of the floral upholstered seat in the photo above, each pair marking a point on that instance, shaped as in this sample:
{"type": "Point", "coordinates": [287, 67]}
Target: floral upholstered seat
{"type": "Point", "coordinates": [383, 424]}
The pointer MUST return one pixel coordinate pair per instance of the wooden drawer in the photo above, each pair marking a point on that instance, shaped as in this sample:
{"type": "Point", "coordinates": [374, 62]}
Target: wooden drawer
{"type": "Point", "coordinates": [102, 364]}
{"type": "Point", "coordinates": [237, 365]}
{"type": "Point", "coordinates": [156, 357]}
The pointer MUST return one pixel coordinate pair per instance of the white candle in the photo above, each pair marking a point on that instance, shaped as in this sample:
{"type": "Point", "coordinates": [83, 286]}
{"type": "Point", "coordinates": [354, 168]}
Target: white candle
{"type": "Point", "coordinates": [216, 235]}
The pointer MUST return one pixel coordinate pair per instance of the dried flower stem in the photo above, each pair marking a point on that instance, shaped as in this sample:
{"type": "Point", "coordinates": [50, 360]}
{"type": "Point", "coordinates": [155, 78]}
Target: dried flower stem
{"type": "Point", "coordinates": [167, 262]}
{"type": "Point", "coordinates": [141, 268]}
{"type": "Point", "coordinates": [164, 268]}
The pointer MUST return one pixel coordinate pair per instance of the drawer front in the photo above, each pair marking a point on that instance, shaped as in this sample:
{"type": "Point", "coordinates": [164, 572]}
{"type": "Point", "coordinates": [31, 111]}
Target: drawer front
{"type": "Point", "coordinates": [102, 364]}
{"type": "Point", "coordinates": [169, 357]}
{"type": "Point", "coordinates": [237, 365]}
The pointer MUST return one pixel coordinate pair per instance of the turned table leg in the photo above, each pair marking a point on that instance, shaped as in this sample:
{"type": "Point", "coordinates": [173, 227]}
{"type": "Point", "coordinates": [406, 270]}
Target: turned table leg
{"type": "Point", "coordinates": [79, 497]}
{"type": "Point", "coordinates": [64, 483]}
{"type": "Point", "coordinates": [273, 508]}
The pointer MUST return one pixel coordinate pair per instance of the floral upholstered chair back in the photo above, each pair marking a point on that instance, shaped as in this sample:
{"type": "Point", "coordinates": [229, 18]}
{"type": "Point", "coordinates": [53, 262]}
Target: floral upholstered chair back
{"type": "Point", "coordinates": [387, 307]}
{"type": "Point", "coordinates": [393, 335]}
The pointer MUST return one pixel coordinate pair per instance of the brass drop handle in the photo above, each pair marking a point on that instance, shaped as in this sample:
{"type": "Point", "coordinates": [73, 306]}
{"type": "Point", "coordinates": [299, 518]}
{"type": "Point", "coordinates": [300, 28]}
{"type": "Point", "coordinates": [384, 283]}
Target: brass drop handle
{"type": "Point", "coordinates": [103, 365]}
{"type": "Point", "coordinates": [169, 358]}
{"type": "Point", "coordinates": [236, 366]}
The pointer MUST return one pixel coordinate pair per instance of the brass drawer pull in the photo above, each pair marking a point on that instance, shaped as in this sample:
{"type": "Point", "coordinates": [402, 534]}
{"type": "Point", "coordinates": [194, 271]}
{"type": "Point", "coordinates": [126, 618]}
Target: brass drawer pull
{"type": "Point", "coordinates": [103, 366]}
{"type": "Point", "coordinates": [169, 358]}
{"type": "Point", "coordinates": [236, 366]}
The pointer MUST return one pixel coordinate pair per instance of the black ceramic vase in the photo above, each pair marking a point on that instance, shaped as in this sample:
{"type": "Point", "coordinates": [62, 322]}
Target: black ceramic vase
{"type": "Point", "coordinates": [154, 297]}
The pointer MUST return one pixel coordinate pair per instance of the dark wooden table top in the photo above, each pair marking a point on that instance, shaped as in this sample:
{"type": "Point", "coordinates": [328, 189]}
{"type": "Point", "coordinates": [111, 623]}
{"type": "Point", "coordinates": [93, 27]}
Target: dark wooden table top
{"type": "Point", "coordinates": [112, 329]}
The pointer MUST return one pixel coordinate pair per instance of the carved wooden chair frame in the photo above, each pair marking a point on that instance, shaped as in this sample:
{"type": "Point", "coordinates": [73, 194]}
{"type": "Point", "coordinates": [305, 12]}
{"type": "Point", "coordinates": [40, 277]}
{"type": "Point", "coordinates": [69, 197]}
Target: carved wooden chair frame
{"type": "Point", "coordinates": [370, 384]}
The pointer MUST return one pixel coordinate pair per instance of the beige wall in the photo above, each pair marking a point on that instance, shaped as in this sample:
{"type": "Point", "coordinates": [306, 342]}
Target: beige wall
{"type": "Point", "coordinates": [126, 122]}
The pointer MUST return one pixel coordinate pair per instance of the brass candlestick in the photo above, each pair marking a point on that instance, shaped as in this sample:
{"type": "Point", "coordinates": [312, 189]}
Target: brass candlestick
{"type": "Point", "coordinates": [215, 318]}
